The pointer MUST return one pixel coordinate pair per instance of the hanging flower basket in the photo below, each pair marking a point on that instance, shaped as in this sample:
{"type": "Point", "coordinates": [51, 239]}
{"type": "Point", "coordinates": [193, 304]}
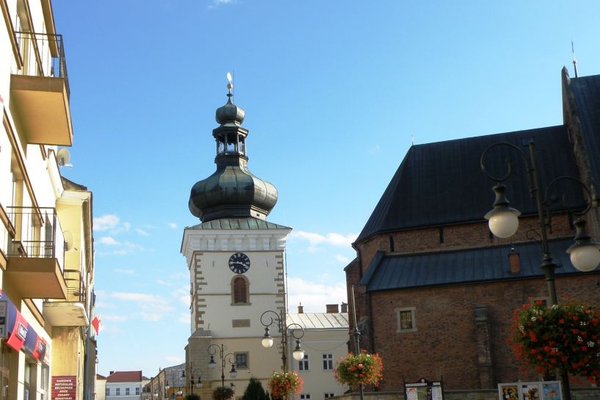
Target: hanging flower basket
{"type": "Point", "coordinates": [283, 384]}
{"type": "Point", "coordinates": [359, 369]}
{"type": "Point", "coordinates": [223, 393]}
{"type": "Point", "coordinates": [565, 336]}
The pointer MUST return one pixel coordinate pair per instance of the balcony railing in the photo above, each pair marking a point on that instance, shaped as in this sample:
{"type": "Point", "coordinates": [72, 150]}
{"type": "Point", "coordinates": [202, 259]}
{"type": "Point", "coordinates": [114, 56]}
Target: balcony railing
{"type": "Point", "coordinates": [76, 287]}
{"type": "Point", "coordinates": [42, 55]}
{"type": "Point", "coordinates": [38, 233]}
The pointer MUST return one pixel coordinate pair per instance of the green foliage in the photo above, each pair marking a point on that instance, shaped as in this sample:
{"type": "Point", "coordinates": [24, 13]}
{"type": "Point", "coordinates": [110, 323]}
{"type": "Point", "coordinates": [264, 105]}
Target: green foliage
{"type": "Point", "coordinates": [255, 391]}
{"type": "Point", "coordinates": [222, 393]}
{"type": "Point", "coordinates": [192, 396]}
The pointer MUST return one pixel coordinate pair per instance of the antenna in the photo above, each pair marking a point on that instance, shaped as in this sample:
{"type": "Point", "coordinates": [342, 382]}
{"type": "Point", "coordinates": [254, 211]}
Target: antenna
{"type": "Point", "coordinates": [63, 158]}
{"type": "Point", "coordinates": [574, 59]}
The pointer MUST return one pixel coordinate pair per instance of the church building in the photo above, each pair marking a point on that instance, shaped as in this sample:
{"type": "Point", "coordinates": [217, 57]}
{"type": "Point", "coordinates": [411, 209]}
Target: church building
{"type": "Point", "coordinates": [435, 290]}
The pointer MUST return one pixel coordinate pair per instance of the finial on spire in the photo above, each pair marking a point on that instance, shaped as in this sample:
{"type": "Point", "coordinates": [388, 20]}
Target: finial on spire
{"type": "Point", "coordinates": [574, 59]}
{"type": "Point", "coordinates": [229, 84]}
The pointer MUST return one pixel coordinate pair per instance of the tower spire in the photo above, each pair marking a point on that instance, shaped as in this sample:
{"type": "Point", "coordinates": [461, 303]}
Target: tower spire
{"type": "Point", "coordinates": [231, 191]}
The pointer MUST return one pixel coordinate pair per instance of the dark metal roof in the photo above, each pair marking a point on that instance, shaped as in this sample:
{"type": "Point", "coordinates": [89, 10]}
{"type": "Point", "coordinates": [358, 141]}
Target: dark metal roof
{"type": "Point", "coordinates": [388, 272]}
{"type": "Point", "coordinates": [237, 224]}
{"type": "Point", "coordinates": [586, 95]}
{"type": "Point", "coordinates": [441, 183]}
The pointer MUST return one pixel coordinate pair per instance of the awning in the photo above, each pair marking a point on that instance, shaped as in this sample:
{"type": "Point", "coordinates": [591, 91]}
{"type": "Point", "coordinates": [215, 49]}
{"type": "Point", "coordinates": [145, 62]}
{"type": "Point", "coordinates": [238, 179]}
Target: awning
{"type": "Point", "coordinates": [19, 335]}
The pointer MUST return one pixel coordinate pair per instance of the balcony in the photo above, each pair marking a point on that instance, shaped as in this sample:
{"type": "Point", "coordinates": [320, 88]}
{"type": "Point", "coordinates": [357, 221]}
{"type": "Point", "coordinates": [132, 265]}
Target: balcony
{"type": "Point", "coordinates": [36, 254]}
{"type": "Point", "coordinates": [40, 90]}
{"type": "Point", "coordinates": [71, 312]}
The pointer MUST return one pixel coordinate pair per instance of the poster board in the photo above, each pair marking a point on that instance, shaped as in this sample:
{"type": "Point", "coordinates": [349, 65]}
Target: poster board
{"type": "Point", "coordinates": [541, 390]}
{"type": "Point", "coordinates": [423, 390]}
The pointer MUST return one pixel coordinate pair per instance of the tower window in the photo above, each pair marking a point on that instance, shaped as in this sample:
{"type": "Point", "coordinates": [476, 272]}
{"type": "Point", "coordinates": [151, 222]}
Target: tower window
{"type": "Point", "coordinates": [240, 290]}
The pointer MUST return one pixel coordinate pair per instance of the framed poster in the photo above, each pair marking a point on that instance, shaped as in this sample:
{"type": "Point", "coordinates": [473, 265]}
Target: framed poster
{"type": "Point", "coordinates": [543, 390]}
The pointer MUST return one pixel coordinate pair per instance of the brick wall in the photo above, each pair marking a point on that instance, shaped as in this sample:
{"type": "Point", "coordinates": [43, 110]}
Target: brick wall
{"type": "Point", "coordinates": [449, 344]}
{"type": "Point", "coordinates": [445, 345]}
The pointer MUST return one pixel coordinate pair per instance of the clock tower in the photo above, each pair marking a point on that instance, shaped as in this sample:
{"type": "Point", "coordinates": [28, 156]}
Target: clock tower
{"type": "Point", "coordinates": [236, 263]}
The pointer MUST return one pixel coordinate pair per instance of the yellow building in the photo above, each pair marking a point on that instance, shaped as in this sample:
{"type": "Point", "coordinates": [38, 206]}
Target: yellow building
{"type": "Point", "coordinates": [46, 245]}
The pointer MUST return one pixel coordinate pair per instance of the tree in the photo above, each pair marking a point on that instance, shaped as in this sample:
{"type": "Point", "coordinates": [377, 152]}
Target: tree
{"type": "Point", "coordinates": [255, 391]}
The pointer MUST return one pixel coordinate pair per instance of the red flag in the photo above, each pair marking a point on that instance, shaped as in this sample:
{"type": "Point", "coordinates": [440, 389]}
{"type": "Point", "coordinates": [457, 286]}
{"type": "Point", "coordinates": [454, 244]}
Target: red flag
{"type": "Point", "coordinates": [97, 324]}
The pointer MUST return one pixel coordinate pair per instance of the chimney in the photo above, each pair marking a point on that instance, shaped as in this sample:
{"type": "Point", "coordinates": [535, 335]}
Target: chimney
{"type": "Point", "coordinates": [332, 309]}
{"type": "Point", "coordinates": [344, 307]}
{"type": "Point", "coordinates": [300, 309]}
{"type": "Point", "coordinates": [514, 261]}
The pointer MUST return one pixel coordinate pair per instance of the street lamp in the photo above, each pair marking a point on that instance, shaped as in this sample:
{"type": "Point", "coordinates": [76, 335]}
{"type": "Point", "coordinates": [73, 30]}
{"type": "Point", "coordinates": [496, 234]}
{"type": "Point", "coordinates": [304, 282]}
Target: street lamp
{"type": "Point", "coordinates": [198, 382]}
{"type": "Point", "coordinates": [503, 222]}
{"type": "Point", "coordinates": [219, 348]}
{"type": "Point", "coordinates": [269, 318]}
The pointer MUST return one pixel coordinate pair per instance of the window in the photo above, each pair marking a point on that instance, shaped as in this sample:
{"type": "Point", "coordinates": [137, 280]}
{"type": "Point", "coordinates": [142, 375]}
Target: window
{"type": "Point", "coordinates": [241, 360]}
{"type": "Point", "coordinates": [107, 392]}
{"type": "Point", "coordinates": [303, 364]}
{"type": "Point", "coordinates": [137, 391]}
{"type": "Point", "coordinates": [126, 391]}
{"type": "Point", "coordinates": [328, 395]}
{"type": "Point", "coordinates": [406, 319]}
{"type": "Point", "coordinates": [305, 396]}
{"type": "Point", "coordinates": [240, 290]}
{"type": "Point", "coordinates": [327, 361]}
{"type": "Point", "coordinates": [118, 393]}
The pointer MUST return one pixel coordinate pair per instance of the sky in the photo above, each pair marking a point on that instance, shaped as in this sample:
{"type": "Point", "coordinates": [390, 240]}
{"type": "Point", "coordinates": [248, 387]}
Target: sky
{"type": "Point", "coordinates": [335, 93]}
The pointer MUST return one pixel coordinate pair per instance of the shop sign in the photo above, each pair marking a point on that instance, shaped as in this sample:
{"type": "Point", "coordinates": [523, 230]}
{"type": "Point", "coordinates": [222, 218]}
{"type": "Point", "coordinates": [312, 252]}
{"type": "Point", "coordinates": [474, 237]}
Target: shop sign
{"type": "Point", "coordinates": [64, 387]}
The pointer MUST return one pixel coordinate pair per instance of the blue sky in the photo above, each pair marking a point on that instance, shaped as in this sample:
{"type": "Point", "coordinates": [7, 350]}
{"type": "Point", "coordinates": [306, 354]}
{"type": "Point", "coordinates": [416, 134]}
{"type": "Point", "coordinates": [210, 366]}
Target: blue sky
{"type": "Point", "coordinates": [335, 92]}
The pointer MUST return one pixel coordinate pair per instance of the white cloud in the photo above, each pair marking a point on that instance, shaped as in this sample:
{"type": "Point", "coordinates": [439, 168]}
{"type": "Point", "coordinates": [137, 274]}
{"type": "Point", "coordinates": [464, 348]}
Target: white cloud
{"type": "Point", "coordinates": [114, 318]}
{"type": "Point", "coordinates": [332, 239]}
{"type": "Point", "coordinates": [172, 225]}
{"type": "Point", "coordinates": [184, 319]}
{"type": "Point", "coordinates": [217, 3]}
{"type": "Point", "coordinates": [142, 232]}
{"type": "Point", "coordinates": [314, 295]}
{"type": "Point", "coordinates": [342, 259]}
{"type": "Point", "coordinates": [105, 222]}
{"type": "Point", "coordinates": [151, 307]}
{"type": "Point", "coordinates": [109, 241]}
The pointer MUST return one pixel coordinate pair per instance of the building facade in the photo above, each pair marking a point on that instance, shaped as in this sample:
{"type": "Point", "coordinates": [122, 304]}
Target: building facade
{"type": "Point", "coordinates": [236, 261]}
{"type": "Point", "coordinates": [435, 290]}
{"type": "Point", "coordinates": [124, 385]}
{"type": "Point", "coordinates": [46, 245]}
{"type": "Point", "coordinates": [325, 341]}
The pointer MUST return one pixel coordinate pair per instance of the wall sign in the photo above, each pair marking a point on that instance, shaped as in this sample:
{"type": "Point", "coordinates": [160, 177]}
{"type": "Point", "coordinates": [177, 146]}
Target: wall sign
{"type": "Point", "coordinates": [64, 387]}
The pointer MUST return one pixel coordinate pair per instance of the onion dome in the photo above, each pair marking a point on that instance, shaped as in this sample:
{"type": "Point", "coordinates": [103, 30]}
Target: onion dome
{"type": "Point", "coordinates": [232, 191]}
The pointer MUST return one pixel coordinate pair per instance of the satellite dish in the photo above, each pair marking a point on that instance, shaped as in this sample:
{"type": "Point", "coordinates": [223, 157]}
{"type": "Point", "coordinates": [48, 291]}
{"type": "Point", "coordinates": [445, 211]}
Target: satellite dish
{"type": "Point", "coordinates": [69, 245]}
{"type": "Point", "coordinates": [63, 157]}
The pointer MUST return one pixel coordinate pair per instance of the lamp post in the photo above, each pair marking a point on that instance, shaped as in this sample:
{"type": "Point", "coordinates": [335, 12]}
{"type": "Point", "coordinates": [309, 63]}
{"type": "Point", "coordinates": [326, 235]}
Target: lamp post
{"type": "Point", "coordinates": [503, 222]}
{"type": "Point", "coordinates": [192, 383]}
{"type": "Point", "coordinates": [269, 318]}
{"type": "Point", "coordinates": [213, 349]}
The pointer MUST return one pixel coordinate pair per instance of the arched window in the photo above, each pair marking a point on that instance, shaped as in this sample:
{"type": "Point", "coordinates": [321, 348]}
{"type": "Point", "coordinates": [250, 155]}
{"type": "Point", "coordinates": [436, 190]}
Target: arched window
{"type": "Point", "coordinates": [239, 287]}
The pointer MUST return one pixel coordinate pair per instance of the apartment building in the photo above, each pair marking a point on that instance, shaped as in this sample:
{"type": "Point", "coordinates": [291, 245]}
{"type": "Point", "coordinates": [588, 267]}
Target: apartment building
{"type": "Point", "coordinates": [47, 349]}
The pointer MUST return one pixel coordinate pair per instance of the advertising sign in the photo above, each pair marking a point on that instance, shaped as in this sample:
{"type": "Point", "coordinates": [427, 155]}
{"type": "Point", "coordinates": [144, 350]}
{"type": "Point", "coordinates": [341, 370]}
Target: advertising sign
{"type": "Point", "coordinates": [64, 387]}
{"type": "Point", "coordinates": [545, 390]}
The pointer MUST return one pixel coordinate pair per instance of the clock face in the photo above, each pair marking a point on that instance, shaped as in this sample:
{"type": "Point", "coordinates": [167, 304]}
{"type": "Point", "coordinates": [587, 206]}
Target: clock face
{"type": "Point", "coordinates": [239, 263]}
